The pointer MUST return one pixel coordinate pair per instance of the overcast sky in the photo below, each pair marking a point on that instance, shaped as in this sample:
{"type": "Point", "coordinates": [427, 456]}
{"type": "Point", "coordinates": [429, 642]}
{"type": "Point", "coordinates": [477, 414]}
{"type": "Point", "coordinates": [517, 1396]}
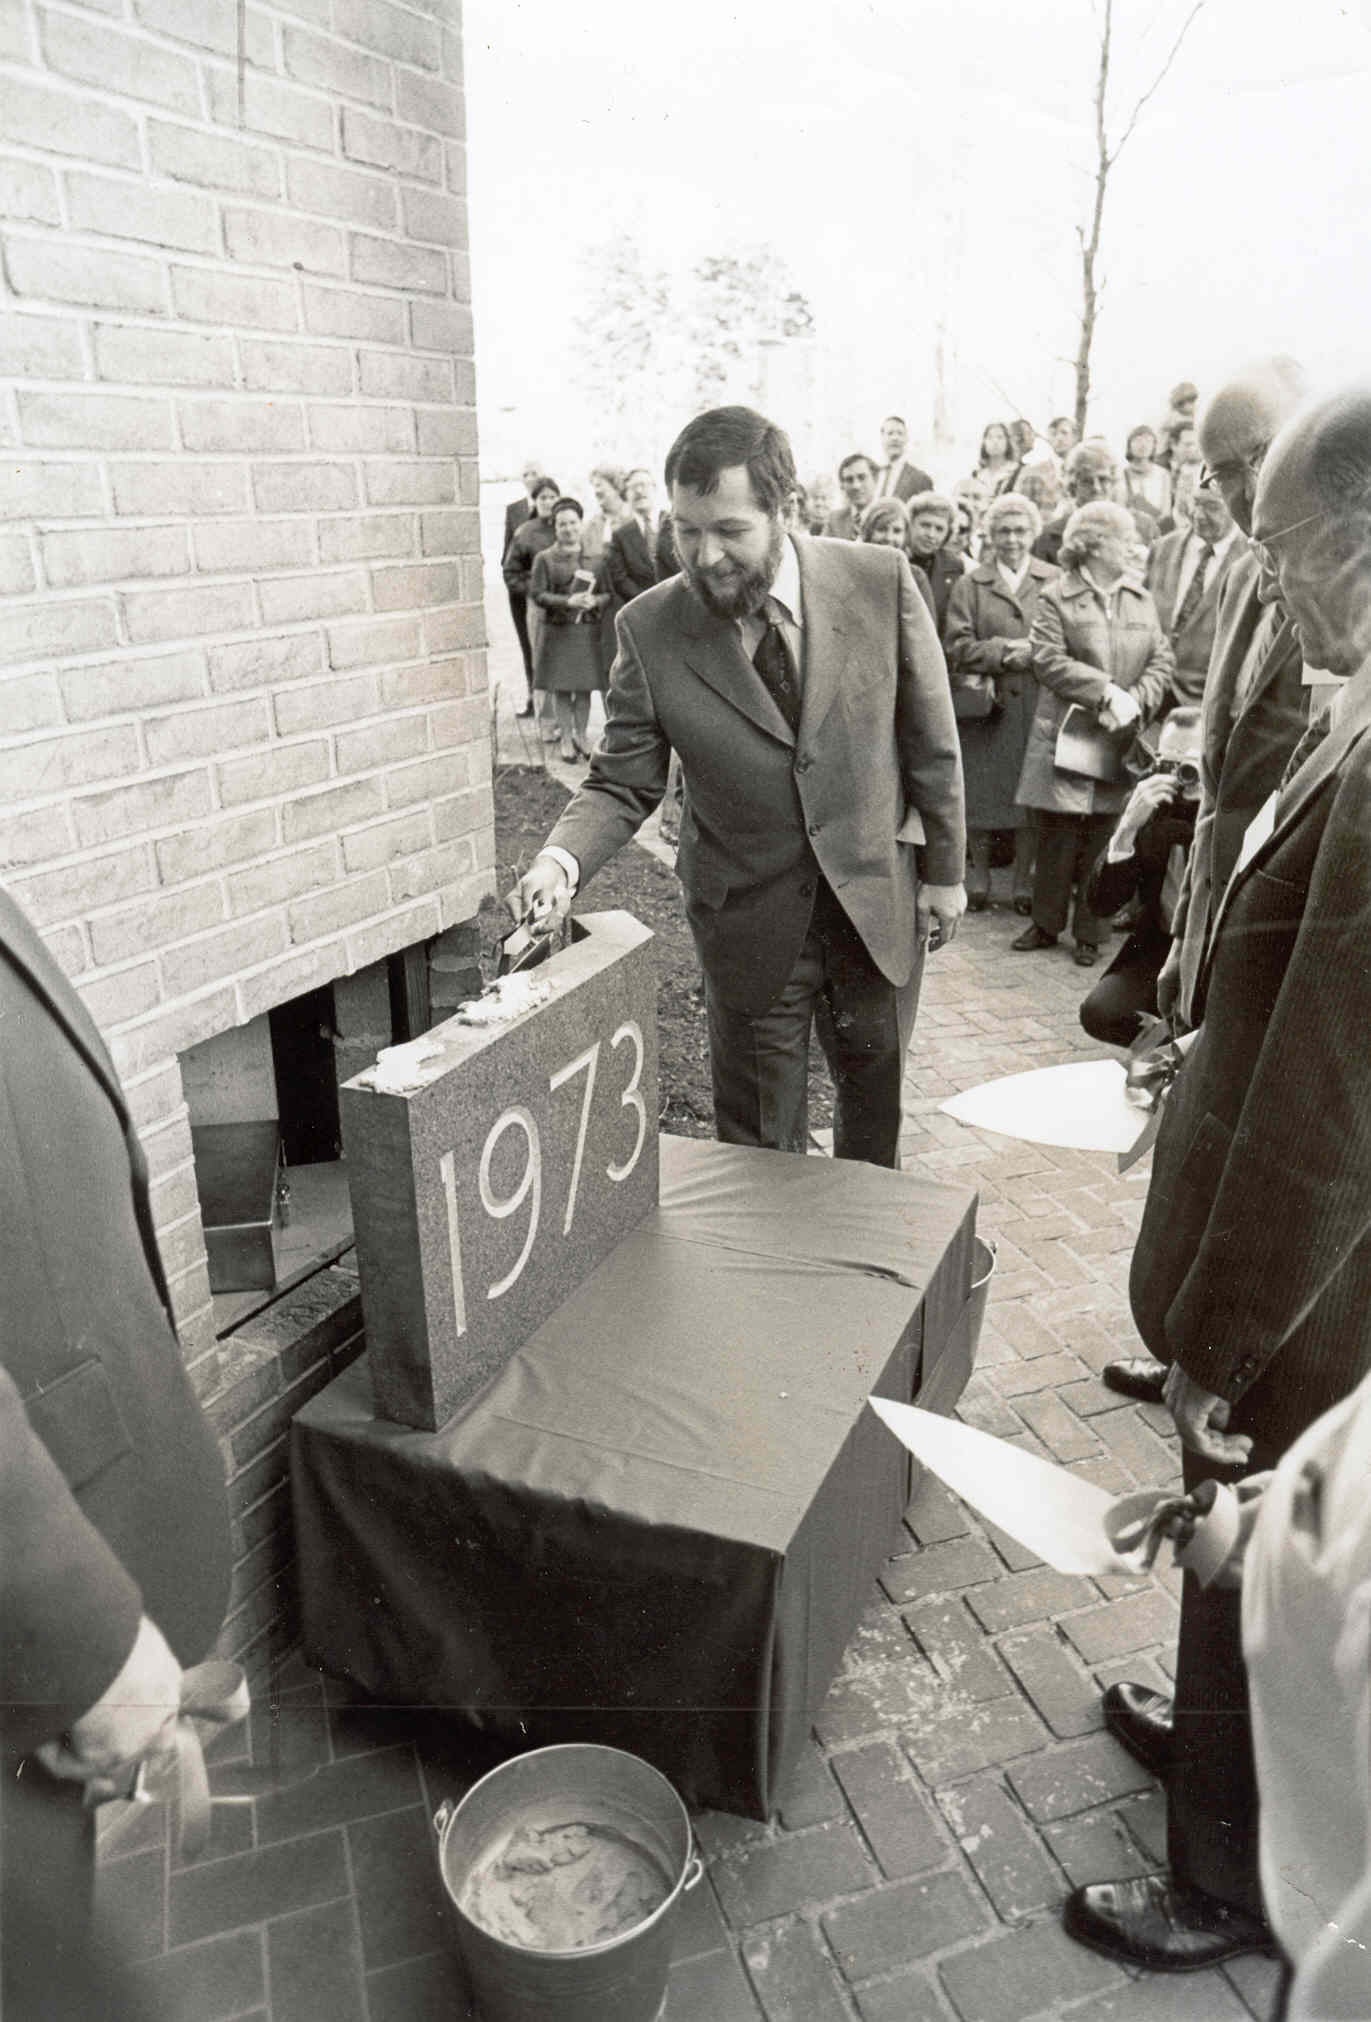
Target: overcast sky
{"type": "Point", "coordinates": [912, 162]}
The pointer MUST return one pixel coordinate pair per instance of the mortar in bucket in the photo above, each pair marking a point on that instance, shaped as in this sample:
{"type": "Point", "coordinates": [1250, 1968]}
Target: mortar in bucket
{"type": "Point", "coordinates": [556, 1844]}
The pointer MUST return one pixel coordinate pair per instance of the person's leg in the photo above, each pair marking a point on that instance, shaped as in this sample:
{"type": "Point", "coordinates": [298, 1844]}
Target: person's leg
{"type": "Point", "coordinates": [1052, 870]}
{"type": "Point", "coordinates": [518, 611]}
{"type": "Point", "coordinates": [760, 1064]}
{"type": "Point", "coordinates": [561, 703]}
{"type": "Point", "coordinates": [580, 720]}
{"type": "Point", "coordinates": [1092, 838]}
{"type": "Point", "coordinates": [1125, 995]}
{"type": "Point", "coordinates": [978, 870]}
{"type": "Point", "coordinates": [1211, 1827]}
{"type": "Point", "coordinates": [865, 1038]}
{"type": "Point", "coordinates": [1025, 841]}
{"type": "Point", "coordinates": [54, 1960]}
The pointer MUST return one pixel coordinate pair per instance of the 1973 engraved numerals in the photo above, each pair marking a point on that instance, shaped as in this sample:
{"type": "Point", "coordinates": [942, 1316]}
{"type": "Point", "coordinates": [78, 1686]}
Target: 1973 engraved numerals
{"type": "Point", "coordinates": [529, 1190]}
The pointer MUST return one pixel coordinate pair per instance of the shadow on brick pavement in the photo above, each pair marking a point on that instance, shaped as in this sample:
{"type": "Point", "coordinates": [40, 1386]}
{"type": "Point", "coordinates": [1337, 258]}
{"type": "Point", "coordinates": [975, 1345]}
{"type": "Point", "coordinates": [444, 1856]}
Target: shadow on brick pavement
{"type": "Point", "coordinates": [960, 1780]}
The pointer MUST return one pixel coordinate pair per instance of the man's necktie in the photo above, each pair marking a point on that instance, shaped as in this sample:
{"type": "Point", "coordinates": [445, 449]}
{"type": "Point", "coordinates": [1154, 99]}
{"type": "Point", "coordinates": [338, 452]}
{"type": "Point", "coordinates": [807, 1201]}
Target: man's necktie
{"type": "Point", "coordinates": [1310, 742]}
{"type": "Point", "coordinates": [1194, 591]}
{"type": "Point", "coordinates": [772, 661]}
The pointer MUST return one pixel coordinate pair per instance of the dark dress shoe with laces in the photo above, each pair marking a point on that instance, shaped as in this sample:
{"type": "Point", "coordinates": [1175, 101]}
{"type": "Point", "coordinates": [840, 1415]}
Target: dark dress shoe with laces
{"type": "Point", "coordinates": [1138, 1376]}
{"type": "Point", "coordinates": [1152, 1923]}
{"type": "Point", "coordinates": [1031, 939]}
{"type": "Point", "coordinates": [1141, 1719]}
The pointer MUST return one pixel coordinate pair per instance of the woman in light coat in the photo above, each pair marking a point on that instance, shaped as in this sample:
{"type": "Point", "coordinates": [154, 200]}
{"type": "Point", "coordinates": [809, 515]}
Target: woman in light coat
{"type": "Point", "coordinates": [985, 638]}
{"type": "Point", "coordinates": [1097, 641]}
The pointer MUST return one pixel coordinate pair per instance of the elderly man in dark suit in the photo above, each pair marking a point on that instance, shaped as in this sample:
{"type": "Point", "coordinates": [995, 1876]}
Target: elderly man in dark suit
{"type": "Point", "coordinates": [114, 1556]}
{"type": "Point", "coordinates": [1252, 1274]}
{"type": "Point", "coordinates": [803, 687]}
{"type": "Point", "coordinates": [1186, 572]}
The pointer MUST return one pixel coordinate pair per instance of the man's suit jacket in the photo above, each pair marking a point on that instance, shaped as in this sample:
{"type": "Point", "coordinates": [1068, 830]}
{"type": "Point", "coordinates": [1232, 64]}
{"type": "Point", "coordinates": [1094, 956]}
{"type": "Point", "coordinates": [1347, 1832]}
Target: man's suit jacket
{"type": "Point", "coordinates": [516, 512]}
{"type": "Point", "coordinates": [874, 771]}
{"type": "Point", "coordinates": [1193, 645]}
{"type": "Point", "coordinates": [111, 1487]}
{"type": "Point", "coordinates": [1241, 760]}
{"type": "Point", "coordinates": [909, 482]}
{"type": "Point", "coordinates": [631, 565]}
{"type": "Point", "coordinates": [842, 524]}
{"type": "Point", "coordinates": [1253, 1264]}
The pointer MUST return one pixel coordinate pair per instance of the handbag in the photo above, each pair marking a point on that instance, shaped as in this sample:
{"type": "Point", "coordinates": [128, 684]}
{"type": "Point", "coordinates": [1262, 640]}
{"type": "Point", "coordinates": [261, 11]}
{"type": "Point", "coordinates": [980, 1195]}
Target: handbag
{"type": "Point", "coordinates": [974, 698]}
{"type": "Point", "coordinates": [1086, 748]}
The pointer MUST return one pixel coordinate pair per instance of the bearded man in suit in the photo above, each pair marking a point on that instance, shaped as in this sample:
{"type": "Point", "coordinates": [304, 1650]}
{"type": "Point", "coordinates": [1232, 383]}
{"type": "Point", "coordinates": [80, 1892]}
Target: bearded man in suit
{"type": "Point", "coordinates": [114, 1545]}
{"type": "Point", "coordinates": [802, 685]}
{"type": "Point", "coordinates": [1252, 1273]}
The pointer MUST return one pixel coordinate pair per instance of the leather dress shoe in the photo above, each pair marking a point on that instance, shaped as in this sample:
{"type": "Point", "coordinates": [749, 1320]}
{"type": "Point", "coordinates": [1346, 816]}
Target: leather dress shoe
{"type": "Point", "coordinates": [1138, 1376]}
{"type": "Point", "coordinates": [1031, 939]}
{"type": "Point", "coordinates": [1153, 1923]}
{"type": "Point", "coordinates": [1141, 1719]}
{"type": "Point", "coordinates": [1087, 955]}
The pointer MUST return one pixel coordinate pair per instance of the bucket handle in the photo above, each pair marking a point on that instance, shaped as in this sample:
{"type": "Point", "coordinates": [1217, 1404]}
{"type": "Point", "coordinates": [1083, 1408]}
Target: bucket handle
{"type": "Point", "coordinates": [443, 1817]}
{"type": "Point", "coordinates": [694, 1872]}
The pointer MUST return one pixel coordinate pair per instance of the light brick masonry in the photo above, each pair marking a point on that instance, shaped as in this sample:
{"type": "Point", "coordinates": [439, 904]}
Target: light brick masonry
{"type": "Point", "coordinates": [244, 740]}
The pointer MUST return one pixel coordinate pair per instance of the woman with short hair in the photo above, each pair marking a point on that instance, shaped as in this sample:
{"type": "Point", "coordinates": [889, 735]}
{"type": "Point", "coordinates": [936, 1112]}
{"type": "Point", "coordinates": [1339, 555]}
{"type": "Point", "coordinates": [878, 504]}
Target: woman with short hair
{"type": "Point", "coordinates": [994, 692]}
{"type": "Point", "coordinates": [932, 523]}
{"type": "Point", "coordinates": [568, 589]}
{"type": "Point", "coordinates": [607, 483]}
{"type": "Point", "coordinates": [885, 523]}
{"type": "Point", "coordinates": [1097, 643]}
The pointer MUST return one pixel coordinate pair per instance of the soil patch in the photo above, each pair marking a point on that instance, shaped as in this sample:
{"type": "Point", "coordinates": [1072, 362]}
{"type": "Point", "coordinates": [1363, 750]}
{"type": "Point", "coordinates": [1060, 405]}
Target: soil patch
{"type": "Point", "coordinates": [527, 803]}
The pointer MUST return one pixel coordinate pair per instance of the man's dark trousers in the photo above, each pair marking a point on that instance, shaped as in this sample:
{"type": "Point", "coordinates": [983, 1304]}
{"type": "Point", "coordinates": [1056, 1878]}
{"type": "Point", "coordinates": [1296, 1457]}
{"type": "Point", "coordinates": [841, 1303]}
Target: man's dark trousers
{"type": "Point", "coordinates": [760, 1063]}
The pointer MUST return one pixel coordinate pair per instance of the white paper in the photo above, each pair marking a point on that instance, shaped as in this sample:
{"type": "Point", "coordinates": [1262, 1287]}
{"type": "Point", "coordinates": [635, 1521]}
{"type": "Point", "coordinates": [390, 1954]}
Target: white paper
{"type": "Point", "coordinates": [1080, 1107]}
{"type": "Point", "coordinates": [1257, 832]}
{"type": "Point", "coordinates": [1054, 1514]}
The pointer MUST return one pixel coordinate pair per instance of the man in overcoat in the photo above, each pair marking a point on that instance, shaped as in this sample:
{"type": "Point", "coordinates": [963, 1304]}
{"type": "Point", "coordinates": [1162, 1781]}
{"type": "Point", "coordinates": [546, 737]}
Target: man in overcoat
{"type": "Point", "coordinates": [804, 690]}
{"type": "Point", "coordinates": [1255, 706]}
{"type": "Point", "coordinates": [1252, 1273]}
{"type": "Point", "coordinates": [114, 1547]}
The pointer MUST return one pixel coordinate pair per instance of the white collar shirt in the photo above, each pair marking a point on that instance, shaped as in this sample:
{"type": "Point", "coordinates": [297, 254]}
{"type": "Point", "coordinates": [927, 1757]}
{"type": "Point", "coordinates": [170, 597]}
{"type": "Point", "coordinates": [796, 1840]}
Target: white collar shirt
{"type": "Point", "coordinates": [784, 605]}
{"type": "Point", "coordinates": [1190, 561]}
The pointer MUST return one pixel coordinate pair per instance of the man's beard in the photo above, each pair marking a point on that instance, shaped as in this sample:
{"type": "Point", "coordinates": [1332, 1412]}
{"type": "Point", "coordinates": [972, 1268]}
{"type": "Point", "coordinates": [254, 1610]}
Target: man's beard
{"type": "Point", "coordinates": [744, 590]}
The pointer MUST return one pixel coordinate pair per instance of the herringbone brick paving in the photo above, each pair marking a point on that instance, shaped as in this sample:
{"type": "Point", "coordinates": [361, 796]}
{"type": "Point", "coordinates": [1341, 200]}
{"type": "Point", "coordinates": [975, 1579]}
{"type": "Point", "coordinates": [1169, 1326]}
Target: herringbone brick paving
{"type": "Point", "coordinates": [959, 1780]}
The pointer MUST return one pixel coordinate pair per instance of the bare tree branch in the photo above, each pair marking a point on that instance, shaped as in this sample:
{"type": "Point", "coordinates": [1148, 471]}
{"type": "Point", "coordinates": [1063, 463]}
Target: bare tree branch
{"type": "Point", "coordinates": [1157, 81]}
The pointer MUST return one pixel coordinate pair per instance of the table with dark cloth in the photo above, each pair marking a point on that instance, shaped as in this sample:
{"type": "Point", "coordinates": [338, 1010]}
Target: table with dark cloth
{"type": "Point", "coordinates": [659, 1525]}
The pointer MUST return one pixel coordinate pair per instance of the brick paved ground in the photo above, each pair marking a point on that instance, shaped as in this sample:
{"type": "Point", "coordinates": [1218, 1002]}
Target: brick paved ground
{"type": "Point", "coordinates": [959, 1779]}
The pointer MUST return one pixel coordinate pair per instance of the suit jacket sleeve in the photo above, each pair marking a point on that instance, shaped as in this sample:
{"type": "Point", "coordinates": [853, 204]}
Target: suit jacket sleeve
{"type": "Point", "coordinates": [627, 776]}
{"type": "Point", "coordinates": [1300, 1158]}
{"type": "Point", "coordinates": [926, 736]}
{"type": "Point", "coordinates": [70, 1610]}
{"type": "Point", "coordinates": [518, 565]}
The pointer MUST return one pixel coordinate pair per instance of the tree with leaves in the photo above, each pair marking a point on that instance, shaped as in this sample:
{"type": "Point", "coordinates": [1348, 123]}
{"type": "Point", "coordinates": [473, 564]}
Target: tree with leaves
{"type": "Point", "coordinates": [1107, 152]}
{"type": "Point", "coordinates": [739, 302]}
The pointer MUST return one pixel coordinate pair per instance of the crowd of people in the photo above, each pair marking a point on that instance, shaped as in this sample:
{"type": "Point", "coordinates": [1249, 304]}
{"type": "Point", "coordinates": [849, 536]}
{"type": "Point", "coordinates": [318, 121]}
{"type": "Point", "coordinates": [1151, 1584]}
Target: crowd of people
{"type": "Point", "coordinates": [1121, 697]}
{"type": "Point", "coordinates": [1020, 612]}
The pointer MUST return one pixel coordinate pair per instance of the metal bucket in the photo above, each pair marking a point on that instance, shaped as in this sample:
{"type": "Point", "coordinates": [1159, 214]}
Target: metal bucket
{"type": "Point", "coordinates": [620, 1980]}
{"type": "Point", "coordinates": [984, 1261]}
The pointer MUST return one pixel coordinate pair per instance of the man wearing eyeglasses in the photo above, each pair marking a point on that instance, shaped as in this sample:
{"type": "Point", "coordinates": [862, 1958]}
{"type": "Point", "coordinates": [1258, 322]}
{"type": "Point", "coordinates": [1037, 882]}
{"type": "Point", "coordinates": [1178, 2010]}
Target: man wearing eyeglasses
{"type": "Point", "coordinates": [1255, 706]}
{"type": "Point", "coordinates": [1186, 573]}
{"type": "Point", "coordinates": [1143, 866]}
{"type": "Point", "coordinates": [1251, 1277]}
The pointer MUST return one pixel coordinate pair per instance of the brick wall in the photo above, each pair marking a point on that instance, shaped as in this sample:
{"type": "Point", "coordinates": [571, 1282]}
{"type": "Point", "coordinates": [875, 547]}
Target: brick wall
{"type": "Point", "coordinates": [243, 715]}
